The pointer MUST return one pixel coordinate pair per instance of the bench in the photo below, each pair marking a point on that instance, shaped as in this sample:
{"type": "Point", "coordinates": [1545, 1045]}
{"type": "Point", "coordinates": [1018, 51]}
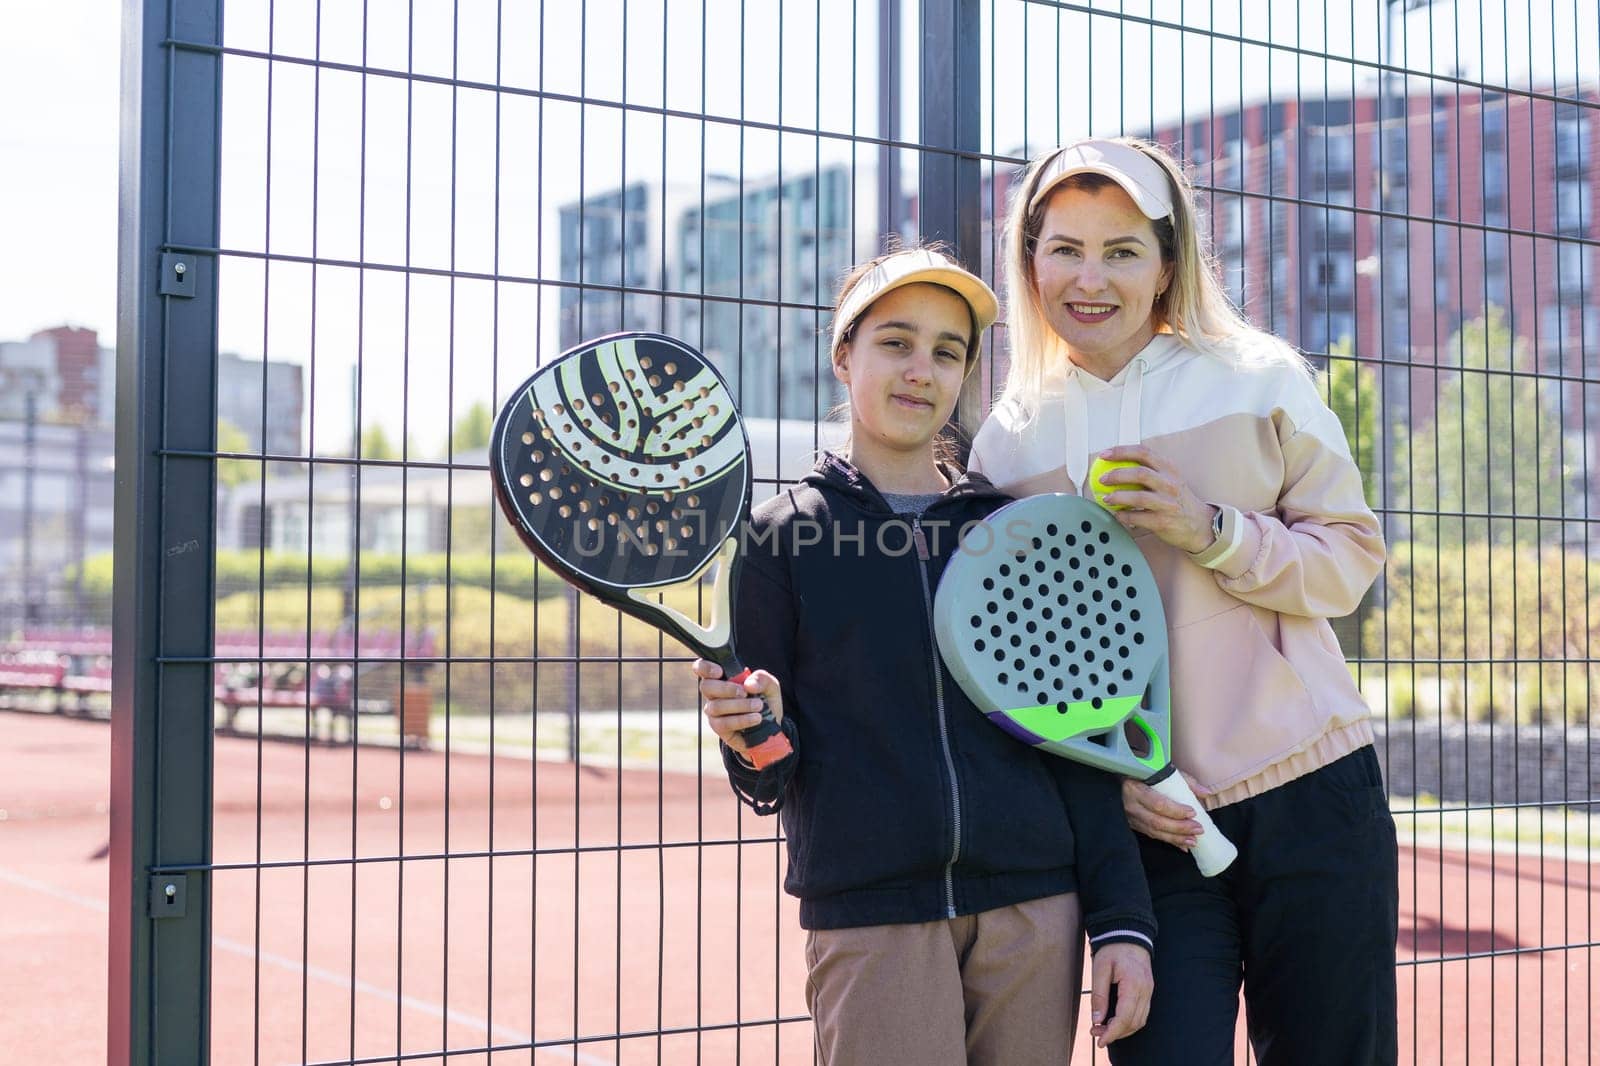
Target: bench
{"type": "Point", "coordinates": [330, 697]}
{"type": "Point", "coordinates": [334, 664]}
{"type": "Point", "coordinates": [33, 674]}
{"type": "Point", "coordinates": [88, 677]}
{"type": "Point", "coordinates": [254, 671]}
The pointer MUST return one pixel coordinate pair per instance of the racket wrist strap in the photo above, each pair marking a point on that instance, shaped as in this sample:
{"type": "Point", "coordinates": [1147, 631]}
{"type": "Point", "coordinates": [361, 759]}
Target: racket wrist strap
{"type": "Point", "coordinates": [764, 753]}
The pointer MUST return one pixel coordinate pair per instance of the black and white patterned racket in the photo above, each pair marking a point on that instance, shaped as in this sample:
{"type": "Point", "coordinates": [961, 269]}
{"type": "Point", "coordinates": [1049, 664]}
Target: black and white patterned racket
{"type": "Point", "coordinates": [1050, 621]}
{"type": "Point", "coordinates": [624, 466]}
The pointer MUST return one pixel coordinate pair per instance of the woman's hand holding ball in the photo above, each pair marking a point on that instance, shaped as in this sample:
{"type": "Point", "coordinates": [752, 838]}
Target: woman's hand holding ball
{"type": "Point", "coordinates": [1145, 492]}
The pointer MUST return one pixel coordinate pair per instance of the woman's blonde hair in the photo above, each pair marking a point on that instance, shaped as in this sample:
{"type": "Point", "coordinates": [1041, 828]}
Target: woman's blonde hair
{"type": "Point", "coordinates": [1194, 305]}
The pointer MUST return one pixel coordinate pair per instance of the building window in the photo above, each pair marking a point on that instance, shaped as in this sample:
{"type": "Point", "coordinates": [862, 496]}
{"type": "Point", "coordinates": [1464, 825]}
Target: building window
{"type": "Point", "coordinates": [1495, 282]}
{"type": "Point", "coordinates": [1341, 328]}
{"type": "Point", "coordinates": [1339, 150]}
{"type": "Point", "coordinates": [1440, 164]}
{"type": "Point", "coordinates": [1494, 127]}
{"type": "Point", "coordinates": [1330, 273]}
{"type": "Point", "coordinates": [1572, 143]}
{"type": "Point", "coordinates": [1441, 266]}
{"type": "Point", "coordinates": [1572, 272]}
{"type": "Point", "coordinates": [1332, 227]}
{"type": "Point", "coordinates": [1494, 187]}
{"type": "Point", "coordinates": [1323, 330]}
{"type": "Point", "coordinates": [1394, 168]}
{"type": "Point", "coordinates": [1328, 166]}
{"type": "Point", "coordinates": [1232, 215]}
{"type": "Point", "coordinates": [255, 526]}
{"type": "Point", "coordinates": [1572, 207]}
{"type": "Point", "coordinates": [1227, 168]}
{"type": "Point", "coordinates": [1551, 328]}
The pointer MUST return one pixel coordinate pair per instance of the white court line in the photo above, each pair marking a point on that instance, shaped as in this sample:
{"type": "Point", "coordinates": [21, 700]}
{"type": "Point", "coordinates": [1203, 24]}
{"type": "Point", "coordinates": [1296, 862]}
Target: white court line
{"type": "Point", "coordinates": [421, 1006]}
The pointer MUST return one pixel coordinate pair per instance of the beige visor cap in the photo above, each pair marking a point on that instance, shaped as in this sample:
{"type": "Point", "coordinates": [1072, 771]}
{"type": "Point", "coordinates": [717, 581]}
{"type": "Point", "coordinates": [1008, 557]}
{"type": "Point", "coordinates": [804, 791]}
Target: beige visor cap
{"type": "Point", "coordinates": [1140, 176]}
{"type": "Point", "coordinates": [909, 268]}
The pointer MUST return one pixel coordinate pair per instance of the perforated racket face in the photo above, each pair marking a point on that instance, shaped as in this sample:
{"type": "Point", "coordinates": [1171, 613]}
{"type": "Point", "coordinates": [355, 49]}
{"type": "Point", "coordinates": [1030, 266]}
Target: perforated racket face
{"type": "Point", "coordinates": [1050, 620]}
{"type": "Point", "coordinates": [623, 462]}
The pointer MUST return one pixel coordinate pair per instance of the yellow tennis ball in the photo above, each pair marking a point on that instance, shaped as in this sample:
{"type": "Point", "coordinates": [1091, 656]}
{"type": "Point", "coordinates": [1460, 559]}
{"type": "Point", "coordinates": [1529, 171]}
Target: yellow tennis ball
{"type": "Point", "coordinates": [1099, 467]}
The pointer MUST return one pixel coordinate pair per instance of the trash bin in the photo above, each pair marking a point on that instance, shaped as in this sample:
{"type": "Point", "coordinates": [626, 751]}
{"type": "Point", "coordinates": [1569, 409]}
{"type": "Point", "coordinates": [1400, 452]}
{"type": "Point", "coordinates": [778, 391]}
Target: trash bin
{"type": "Point", "coordinates": [416, 707]}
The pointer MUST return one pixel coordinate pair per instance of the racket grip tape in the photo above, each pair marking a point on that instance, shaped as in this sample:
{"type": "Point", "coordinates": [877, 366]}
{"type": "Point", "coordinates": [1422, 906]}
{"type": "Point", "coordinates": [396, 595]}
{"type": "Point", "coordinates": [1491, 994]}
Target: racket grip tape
{"type": "Point", "coordinates": [1213, 852]}
{"type": "Point", "coordinates": [764, 742]}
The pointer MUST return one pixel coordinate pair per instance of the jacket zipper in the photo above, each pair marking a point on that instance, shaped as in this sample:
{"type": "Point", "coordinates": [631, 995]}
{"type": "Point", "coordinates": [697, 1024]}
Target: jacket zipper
{"type": "Point", "coordinates": [923, 555]}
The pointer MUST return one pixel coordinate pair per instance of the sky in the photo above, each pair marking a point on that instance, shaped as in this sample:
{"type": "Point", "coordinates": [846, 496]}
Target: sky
{"type": "Point", "coordinates": [58, 165]}
{"type": "Point", "coordinates": [1053, 72]}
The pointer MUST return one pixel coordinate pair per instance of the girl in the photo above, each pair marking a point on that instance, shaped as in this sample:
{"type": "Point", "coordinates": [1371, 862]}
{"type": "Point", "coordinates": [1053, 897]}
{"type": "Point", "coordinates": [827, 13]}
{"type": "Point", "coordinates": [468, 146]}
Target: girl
{"type": "Point", "coordinates": [1245, 499]}
{"type": "Point", "coordinates": [944, 870]}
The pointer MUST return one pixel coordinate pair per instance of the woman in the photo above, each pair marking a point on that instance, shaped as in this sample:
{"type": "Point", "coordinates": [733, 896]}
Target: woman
{"type": "Point", "coordinates": [945, 872]}
{"type": "Point", "coordinates": [1244, 498]}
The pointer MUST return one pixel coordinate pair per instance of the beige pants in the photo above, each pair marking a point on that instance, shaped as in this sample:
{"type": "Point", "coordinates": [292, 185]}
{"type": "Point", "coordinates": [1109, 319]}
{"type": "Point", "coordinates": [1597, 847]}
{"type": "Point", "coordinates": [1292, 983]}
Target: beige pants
{"type": "Point", "coordinates": [993, 989]}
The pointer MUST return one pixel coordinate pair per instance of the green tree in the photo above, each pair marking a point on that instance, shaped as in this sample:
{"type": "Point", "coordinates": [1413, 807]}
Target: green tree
{"type": "Point", "coordinates": [233, 472]}
{"type": "Point", "coordinates": [1490, 445]}
{"type": "Point", "coordinates": [1486, 631]}
{"type": "Point", "coordinates": [1352, 393]}
{"type": "Point", "coordinates": [375, 444]}
{"type": "Point", "coordinates": [473, 428]}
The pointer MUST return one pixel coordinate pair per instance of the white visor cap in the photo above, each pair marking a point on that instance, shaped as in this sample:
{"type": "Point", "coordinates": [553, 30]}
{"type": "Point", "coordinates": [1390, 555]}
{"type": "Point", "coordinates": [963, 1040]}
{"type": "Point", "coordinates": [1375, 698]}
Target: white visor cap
{"type": "Point", "coordinates": [1140, 176]}
{"type": "Point", "coordinates": [909, 268]}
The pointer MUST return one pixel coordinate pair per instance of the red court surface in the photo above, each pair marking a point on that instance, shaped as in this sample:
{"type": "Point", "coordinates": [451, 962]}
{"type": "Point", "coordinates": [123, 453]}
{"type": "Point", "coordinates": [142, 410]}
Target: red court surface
{"type": "Point", "coordinates": [335, 961]}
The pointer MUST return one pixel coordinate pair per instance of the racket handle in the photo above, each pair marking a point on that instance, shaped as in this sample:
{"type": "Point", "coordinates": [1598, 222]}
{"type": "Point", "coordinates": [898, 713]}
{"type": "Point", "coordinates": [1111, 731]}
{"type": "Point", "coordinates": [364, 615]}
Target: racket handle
{"type": "Point", "coordinates": [1213, 852]}
{"type": "Point", "coordinates": [764, 742]}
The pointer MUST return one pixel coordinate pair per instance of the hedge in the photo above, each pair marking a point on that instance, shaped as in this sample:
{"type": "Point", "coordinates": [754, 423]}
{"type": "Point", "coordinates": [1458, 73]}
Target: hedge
{"type": "Point", "coordinates": [1480, 631]}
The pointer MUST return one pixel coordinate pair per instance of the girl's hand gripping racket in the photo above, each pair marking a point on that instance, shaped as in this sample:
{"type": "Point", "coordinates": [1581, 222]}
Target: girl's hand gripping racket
{"type": "Point", "coordinates": [1052, 624]}
{"type": "Point", "coordinates": [624, 467]}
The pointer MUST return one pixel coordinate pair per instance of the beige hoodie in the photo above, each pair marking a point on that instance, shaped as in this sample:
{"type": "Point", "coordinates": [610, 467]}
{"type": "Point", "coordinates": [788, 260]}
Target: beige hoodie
{"type": "Point", "coordinates": [1260, 690]}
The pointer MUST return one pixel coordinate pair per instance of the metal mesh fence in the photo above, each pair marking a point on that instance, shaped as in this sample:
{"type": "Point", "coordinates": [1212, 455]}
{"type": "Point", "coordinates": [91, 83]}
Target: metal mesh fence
{"type": "Point", "coordinates": [453, 811]}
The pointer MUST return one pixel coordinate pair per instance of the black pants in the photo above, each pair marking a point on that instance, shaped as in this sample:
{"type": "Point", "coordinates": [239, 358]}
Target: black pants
{"type": "Point", "coordinates": [1306, 918]}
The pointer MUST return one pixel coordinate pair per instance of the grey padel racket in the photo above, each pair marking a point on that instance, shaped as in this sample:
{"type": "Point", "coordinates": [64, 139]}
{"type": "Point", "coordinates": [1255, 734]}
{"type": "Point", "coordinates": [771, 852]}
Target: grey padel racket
{"type": "Point", "coordinates": [623, 466]}
{"type": "Point", "coordinates": [1050, 621]}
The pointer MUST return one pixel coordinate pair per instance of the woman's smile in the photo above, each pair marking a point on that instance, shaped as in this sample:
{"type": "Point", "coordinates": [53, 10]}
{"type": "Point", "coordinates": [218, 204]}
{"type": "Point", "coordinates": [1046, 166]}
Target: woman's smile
{"type": "Point", "coordinates": [1085, 312]}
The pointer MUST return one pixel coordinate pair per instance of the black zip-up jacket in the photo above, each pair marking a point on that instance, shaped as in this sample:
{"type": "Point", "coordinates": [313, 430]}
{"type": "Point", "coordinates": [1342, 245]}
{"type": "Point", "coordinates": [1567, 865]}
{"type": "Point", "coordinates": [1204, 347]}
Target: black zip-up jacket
{"type": "Point", "coordinates": [901, 802]}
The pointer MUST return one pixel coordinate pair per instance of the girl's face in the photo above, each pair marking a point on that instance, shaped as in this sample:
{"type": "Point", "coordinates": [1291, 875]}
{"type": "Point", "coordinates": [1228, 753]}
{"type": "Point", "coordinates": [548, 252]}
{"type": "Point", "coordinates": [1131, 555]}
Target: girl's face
{"type": "Point", "coordinates": [1097, 270]}
{"type": "Point", "coordinates": [904, 366]}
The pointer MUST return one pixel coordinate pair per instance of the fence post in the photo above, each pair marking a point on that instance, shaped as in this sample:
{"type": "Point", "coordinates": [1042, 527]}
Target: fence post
{"type": "Point", "coordinates": [950, 176]}
{"type": "Point", "coordinates": [161, 760]}
{"type": "Point", "coordinates": [949, 189]}
{"type": "Point", "coordinates": [891, 203]}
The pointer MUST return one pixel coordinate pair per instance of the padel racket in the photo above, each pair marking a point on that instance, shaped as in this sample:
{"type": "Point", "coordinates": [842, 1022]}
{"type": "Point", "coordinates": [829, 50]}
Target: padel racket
{"type": "Point", "coordinates": [624, 467]}
{"type": "Point", "coordinates": [1051, 622]}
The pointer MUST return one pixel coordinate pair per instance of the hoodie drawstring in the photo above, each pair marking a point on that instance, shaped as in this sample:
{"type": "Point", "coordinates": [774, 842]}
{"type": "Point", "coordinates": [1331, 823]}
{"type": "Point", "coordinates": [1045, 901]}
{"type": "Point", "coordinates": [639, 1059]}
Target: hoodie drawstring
{"type": "Point", "coordinates": [1129, 419]}
{"type": "Point", "coordinates": [1077, 431]}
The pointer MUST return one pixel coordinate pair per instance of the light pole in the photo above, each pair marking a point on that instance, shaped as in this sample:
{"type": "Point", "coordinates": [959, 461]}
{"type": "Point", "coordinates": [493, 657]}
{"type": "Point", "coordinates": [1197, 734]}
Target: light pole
{"type": "Point", "coordinates": [888, 118]}
{"type": "Point", "coordinates": [80, 519]}
{"type": "Point", "coordinates": [347, 616]}
{"type": "Point", "coordinates": [29, 459]}
{"type": "Point", "coordinates": [1394, 320]}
